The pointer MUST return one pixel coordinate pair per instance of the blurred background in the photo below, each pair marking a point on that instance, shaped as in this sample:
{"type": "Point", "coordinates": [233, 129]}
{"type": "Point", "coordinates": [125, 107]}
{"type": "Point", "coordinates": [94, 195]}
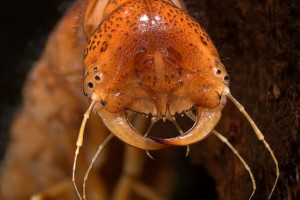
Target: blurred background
{"type": "Point", "coordinates": [25, 26]}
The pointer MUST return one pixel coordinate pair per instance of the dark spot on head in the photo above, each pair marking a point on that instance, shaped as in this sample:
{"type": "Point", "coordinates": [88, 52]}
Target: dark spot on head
{"type": "Point", "coordinates": [90, 85]}
{"type": "Point", "coordinates": [142, 50]}
{"type": "Point", "coordinates": [218, 71]}
{"type": "Point", "coordinates": [226, 78]}
{"type": "Point", "coordinates": [95, 68]}
{"type": "Point", "coordinates": [97, 77]}
{"type": "Point", "coordinates": [203, 41]}
{"type": "Point", "coordinates": [167, 78]}
{"type": "Point", "coordinates": [103, 103]}
{"type": "Point", "coordinates": [104, 46]}
{"type": "Point", "coordinates": [138, 74]}
{"type": "Point", "coordinates": [180, 71]}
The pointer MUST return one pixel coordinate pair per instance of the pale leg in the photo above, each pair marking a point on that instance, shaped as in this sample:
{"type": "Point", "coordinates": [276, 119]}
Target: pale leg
{"type": "Point", "coordinates": [221, 137]}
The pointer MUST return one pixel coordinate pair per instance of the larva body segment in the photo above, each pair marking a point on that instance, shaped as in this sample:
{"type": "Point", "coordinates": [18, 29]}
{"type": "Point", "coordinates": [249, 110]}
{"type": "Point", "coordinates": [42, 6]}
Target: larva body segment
{"type": "Point", "coordinates": [40, 153]}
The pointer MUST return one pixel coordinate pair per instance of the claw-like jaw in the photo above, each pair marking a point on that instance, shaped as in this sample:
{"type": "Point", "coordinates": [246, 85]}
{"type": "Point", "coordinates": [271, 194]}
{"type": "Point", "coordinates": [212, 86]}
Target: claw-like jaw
{"type": "Point", "coordinates": [206, 120]}
{"type": "Point", "coordinates": [118, 124]}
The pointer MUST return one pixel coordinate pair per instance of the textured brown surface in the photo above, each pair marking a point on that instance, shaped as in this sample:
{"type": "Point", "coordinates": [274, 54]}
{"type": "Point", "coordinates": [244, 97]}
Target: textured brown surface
{"type": "Point", "coordinates": [261, 39]}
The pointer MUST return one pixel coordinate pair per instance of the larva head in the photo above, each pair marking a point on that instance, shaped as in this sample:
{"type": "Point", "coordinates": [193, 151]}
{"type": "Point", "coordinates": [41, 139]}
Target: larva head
{"type": "Point", "coordinates": [151, 57]}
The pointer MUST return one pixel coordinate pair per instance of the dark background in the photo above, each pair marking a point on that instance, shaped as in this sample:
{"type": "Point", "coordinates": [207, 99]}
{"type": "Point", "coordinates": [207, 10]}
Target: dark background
{"type": "Point", "coordinates": [25, 26]}
{"type": "Point", "coordinates": [258, 41]}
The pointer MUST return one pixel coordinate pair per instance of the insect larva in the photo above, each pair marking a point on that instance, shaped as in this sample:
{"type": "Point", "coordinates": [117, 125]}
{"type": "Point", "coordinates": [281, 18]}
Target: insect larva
{"type": "Point", "coordinates": [162, 95]}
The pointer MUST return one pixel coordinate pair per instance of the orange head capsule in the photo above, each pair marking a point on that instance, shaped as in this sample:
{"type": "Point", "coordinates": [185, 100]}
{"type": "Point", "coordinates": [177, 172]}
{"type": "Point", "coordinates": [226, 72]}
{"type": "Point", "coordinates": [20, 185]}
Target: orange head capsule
{"type": "Point", "coordinates": [152, 57]}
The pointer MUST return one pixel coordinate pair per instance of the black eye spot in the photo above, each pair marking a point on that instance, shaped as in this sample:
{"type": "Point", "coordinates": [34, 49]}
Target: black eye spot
{"type": "Point", "coordinates": [95, 69]}
{"type": "Point", "coordinates": [226, 78]}
{"type": "Point", "coordinates": [103, 103]}
{"type": "Point", "coordinates": [90, 85]}
{"type": "Point", "coordinates": [218, 71]}
{"type": "Point", "coordinates": [97, 77]}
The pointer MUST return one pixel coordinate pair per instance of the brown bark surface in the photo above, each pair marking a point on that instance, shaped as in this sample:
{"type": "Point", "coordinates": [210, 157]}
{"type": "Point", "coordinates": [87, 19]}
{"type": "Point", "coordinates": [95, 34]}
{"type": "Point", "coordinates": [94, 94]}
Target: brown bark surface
{"type": "Point", "coordinates": [259, 42]}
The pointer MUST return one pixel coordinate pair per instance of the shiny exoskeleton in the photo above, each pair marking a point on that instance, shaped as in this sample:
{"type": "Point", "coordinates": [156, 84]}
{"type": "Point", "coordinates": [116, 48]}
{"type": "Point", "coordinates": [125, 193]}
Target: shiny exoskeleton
{"type": "Point", "coordinates": [151, 57]}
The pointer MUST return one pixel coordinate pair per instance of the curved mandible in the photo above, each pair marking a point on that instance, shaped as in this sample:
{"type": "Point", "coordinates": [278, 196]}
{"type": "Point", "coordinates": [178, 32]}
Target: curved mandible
{"type": "Point", "coordinates": [118, 124]}
{"type": "Point", "coordinates": [206, 120]}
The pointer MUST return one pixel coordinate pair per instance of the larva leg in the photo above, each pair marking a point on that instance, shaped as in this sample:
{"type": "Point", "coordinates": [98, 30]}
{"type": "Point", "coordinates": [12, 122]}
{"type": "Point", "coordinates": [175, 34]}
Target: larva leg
{"type": "Point", "coordinates": [221, 137]}
{"type": "Point", "coordinates": [54, 191]}
{"type": "Point", "coordinates": [145, 191]}
{"type": "Point", "coordinates": [101, 146]}
{"type": "Point", "coordinates": [132, 168]}
{"type": "Point", "coordinates": [259, 135]}
{"type": "Point", "coordinates": [128, 182]}
{"type": "Point", "coordinates": [133, 163]}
